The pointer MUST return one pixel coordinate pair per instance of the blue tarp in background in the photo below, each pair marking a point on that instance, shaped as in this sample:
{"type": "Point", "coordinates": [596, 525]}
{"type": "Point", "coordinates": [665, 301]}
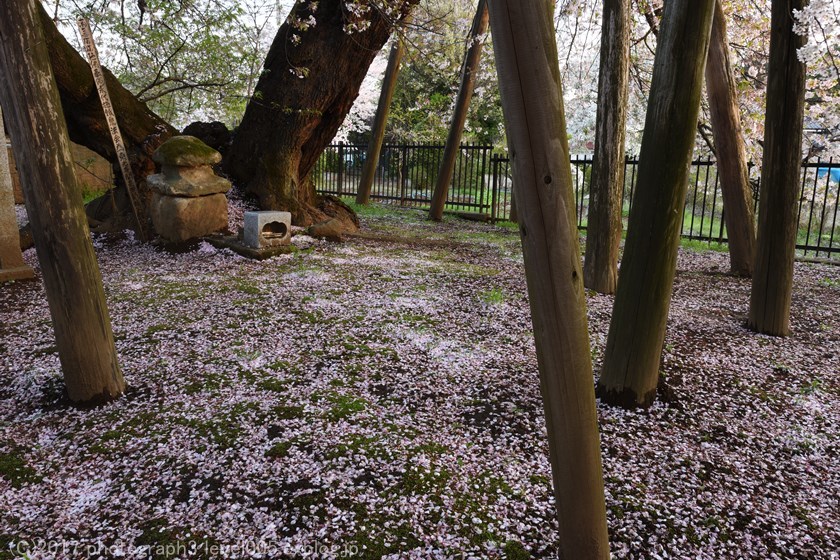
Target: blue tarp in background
{"type": "Point", "coordinates": [834, 172]}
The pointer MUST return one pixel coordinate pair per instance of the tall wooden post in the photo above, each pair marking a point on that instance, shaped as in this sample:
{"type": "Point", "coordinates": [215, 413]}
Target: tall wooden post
{"type": "Point", "coordinates": [603, 229]}
{"type": "Point", "coordinates": [532, 100]}
{"type": "Point", "coordinates": [637, 329]}
{"type": "Point", "coordinates": [773, 278]}
{"type": "Point", "coordinates": [12, 266]}
{"type": "Point", "coordinates": [389, 84]}
{"type": "Point", "coordinates": [730, 151]}
{"type": "Point", "coordinates": [469, 72]}
{"type": "Point", "coordinates": [54, 204]}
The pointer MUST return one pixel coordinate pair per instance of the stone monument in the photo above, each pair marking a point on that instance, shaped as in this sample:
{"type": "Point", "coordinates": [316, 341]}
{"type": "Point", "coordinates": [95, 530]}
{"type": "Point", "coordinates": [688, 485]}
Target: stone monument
{"type": "Point", "coordinates": [12, 266]}
{"type": "Point", "coordinates": [189, 198]}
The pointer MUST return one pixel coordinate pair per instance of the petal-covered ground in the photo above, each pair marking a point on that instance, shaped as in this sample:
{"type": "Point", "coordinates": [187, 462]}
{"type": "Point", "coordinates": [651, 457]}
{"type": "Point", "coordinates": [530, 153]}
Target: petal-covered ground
{"type": "Point", "coordinates": [379, 398]}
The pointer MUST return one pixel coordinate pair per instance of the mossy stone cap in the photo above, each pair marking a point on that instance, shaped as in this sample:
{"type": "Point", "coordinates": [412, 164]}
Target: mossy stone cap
{"type": "Point", "coordinates": [186, 151]}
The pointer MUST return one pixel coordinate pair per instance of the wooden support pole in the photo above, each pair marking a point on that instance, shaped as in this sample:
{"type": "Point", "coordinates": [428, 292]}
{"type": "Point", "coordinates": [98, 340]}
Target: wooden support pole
{"type": "Point", "coordinates": [54, 204]}
{"type": "Point", "coordinates": [730, 151]}
{"type": "Point", "coordinates": [637, 330]}
{"type": "Point", "coordinates": [389, 84]}
{"type": "Point", "coordinates": [469, 72]}
{"type": "Point", "coordinates": [777, 226]}
{"type": "Point", "coordinates": [12, 266]}
{"type": "Point", "coordinates": [532, 101]}
{"type": "Point", "coordinates": [603, 229]}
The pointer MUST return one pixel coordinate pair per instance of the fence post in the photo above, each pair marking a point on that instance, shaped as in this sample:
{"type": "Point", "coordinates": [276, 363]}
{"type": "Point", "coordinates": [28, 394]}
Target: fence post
{"type": "Point", "coordinates": [481, 175]}
{"type": "Point", "coordinates": [340, 188]}
{"type": "Point", "coordinates": [403, 173]}
{"type": "Point", "coordinates": [494, 193]}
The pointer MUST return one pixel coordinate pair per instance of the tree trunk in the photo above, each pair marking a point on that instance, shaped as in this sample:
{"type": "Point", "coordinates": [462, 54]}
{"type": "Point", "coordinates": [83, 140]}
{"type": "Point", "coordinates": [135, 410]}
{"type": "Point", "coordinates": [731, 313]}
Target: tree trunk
{"type": "Point", "coordinates": [637, 329]}
{"type": "Point", "coordinates": [532, 100]}
{"type": "Point", "coordinates": [777, 225]}
{"type": "Point", "coordinates": [12, 266]}
{"type": "Point", "coordinates": [311, 78]}
{"type": "Point", "coordinates": [729, 149]}
{"type": "Point", "coordinates": [54, 204]}
{"type": "Point", "coordinates": [389, 84]}
{"type": "Point", "coordinates": [469, 72]}
{"type": "Point", "coordinates": [603, 230]}
{"type": "Point", "coordinates": [142, 130]}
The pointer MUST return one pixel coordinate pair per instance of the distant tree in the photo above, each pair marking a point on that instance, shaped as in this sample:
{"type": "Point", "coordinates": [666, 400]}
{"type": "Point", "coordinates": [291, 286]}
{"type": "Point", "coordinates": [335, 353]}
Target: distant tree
{"type": "Point", "coordinates": [429, 84]}
{"type": "Point", "coordinates": [532, 99]}
{"type": "Point", "coordinates": [71, 275]}
{"type": "Point", "coordinates": [311, 77]}
{"type": "Point", "coordinates": [637, 330]}
{"type": "Point", "coordinates": [603, 229]}
{"type": "Point", "coordinates": [196, 60]}
{"type": "Point", "coordinates": [730, 151]}
{"type": "Point", "coordinates": [380, 121]}
{"type": "Point", "coordinates": [469, 70]}
{"type": "Point", "coordinates": [777, 225]}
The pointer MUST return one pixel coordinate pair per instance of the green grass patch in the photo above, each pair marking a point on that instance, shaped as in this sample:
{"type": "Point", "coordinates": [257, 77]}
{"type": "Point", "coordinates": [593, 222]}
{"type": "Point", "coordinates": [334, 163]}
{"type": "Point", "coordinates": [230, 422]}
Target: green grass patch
{"type": "Point", "coordinates": [344, 406]}
{"type": "Point", "coordinates": [14, 469]}
{"type": "Point", "coordinates": [493, 296]}
{"type": "Point", "coordinates": [700, 246]}
{"type": "Point", "coordinates": [372, 209]}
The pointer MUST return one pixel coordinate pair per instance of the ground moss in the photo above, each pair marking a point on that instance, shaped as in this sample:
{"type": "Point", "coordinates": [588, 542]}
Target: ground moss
{"type": "Point", "coordinates": [164, 542]}
{"type": "Point", "coordinates": [344, 406]}
{"type": "Point", "coordinates": [15, 469]}
{"type": "Point", "coordinates": [285, 412]}
{"type": "Point", "coordinates": [279, 450]}
{"type": "Point", "coordinates": [492, 296]}
{"type": "Point", "coordinates": [514, 550]}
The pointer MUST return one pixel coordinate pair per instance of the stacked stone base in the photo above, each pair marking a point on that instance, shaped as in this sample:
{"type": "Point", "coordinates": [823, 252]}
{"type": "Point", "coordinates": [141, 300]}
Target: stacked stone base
{"type": "Point", "coordinates": [178, 218]}
{"type": "Point", "coordinates": [188, 200]}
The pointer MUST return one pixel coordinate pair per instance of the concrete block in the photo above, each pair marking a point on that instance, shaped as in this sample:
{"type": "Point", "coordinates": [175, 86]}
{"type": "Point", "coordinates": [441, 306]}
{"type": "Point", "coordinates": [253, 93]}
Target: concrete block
{"type": "Point", "coordinates": [267, 229]}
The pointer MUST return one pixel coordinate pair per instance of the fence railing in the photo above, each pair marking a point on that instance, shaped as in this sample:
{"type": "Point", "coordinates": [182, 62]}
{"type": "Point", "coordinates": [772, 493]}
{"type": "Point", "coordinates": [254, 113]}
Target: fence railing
{"type": "Point", "coordinates": [482, 184]}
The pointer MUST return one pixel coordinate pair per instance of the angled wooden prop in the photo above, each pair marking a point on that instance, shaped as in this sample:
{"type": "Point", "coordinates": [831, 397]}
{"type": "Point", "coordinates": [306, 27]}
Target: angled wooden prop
{"type": "Point", "coordinates": [113, 127]}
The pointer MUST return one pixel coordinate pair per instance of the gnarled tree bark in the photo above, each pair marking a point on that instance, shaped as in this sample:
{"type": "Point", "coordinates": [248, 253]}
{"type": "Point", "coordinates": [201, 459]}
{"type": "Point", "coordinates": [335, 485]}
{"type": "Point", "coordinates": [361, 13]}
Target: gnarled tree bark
{"type": "Point", "coordinates": [142, 130]}
{"type": "Point", "coordinates": [311, 77]}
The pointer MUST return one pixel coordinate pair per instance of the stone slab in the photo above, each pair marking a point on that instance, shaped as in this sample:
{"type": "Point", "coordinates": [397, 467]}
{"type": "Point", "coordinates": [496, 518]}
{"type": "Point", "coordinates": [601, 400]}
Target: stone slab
{"type": "Point", "coordinates": [236, 245]}
{"type": "Point", "coordinates": [187, 151]}
{"type": "Point", "coordinates": [19, 273]}
{"type": "Point", "coordinates": [188, 181]}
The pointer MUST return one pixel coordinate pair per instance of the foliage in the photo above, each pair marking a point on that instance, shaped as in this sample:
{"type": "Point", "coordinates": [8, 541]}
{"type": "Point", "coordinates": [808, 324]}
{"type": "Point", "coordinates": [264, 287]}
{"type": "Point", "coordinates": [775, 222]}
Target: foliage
{"type": "Point", "coordinates": [429, 78]}
{"type": "Point", "coordinates": [200, 60]}
{"type": "Point", "coordinates": [748, 23]}
{"type": "Point", "coordinates": [189, 60]}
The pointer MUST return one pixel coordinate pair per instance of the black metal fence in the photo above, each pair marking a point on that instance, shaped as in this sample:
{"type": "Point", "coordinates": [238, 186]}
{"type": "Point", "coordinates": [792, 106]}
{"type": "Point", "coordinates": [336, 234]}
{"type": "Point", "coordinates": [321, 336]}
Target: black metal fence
{"type": "Point", "coordinates": [482, 185]}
